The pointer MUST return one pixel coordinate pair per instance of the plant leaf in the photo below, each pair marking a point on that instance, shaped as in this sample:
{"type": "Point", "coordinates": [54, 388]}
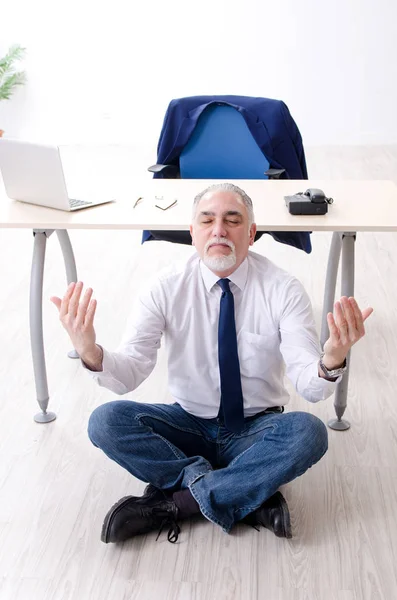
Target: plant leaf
{"type": "Point", "coordinates": [9, 78]}
{"type": "Point", "coordinates": [8, 85]}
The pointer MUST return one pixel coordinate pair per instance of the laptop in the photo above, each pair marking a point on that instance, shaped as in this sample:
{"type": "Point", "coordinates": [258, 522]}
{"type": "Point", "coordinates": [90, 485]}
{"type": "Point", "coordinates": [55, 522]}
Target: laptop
{"type": "Point", "coordinates": [33, 173]}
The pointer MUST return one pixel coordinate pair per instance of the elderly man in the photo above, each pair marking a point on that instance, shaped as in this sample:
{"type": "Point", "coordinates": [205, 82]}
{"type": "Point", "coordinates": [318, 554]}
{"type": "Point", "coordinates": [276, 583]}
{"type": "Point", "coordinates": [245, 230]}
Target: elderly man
{"type": "Point", "coordinates": [233, 322]}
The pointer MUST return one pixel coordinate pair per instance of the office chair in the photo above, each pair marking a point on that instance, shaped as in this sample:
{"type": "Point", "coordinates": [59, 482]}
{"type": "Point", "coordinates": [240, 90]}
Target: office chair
{"type": "Point", "coordinates": [220, 145]}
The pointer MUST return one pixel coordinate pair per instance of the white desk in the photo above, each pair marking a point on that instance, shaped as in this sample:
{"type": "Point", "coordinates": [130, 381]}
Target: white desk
{"type": "Point", "coordinates": [358, 206]}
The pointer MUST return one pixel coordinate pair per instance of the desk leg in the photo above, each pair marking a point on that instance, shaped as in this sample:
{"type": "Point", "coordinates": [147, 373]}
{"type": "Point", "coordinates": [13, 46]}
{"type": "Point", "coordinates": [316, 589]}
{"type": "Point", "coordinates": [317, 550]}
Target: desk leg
{"type": "Point", "coordinates": [330, 283]}
{"type": "Point", "coordinates": [340, 402]}
{"type": "Point", "coordinates": [36, 312]}
{"type": "Point", "coordinates": [70, 266]}
{"type": "Point", "coordinates": [36, 324]}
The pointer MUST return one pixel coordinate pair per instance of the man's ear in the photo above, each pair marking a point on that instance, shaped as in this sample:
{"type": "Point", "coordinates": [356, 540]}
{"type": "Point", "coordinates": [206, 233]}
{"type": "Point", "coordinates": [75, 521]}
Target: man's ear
{"type": "Point", "coordinates": [191, 233]}
{"type": "Point", "coordinates": [252, 233]}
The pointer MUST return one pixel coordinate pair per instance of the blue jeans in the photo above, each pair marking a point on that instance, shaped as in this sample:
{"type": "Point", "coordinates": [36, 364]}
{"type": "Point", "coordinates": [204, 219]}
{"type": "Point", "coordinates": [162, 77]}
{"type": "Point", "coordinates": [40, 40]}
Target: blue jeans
{"type": "Point", "coordinates": [229, 475]}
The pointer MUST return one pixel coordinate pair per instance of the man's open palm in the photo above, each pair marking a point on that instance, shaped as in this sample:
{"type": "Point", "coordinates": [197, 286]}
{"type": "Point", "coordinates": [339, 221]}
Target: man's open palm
{"type": "Point", "coordinates": [346, 327]}
{"type": "Point", "coordinates": [78, 317]}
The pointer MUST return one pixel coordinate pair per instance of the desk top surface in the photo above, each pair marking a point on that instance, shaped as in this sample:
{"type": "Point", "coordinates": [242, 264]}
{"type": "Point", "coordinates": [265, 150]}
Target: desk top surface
{"type": "Point", "coordinates": [358, 206]}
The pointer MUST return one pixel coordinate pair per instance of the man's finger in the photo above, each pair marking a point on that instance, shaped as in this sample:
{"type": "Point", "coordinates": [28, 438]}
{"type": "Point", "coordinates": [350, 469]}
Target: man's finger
{"type": "Point", "coordinates": [367, 312]}
{"type": "Point", "coordinates": [333, 329]}
{"type": "Point", "coordinates": [82, 307]}
{"type": "Point", "coordinates": [74, 300]}
{"type": "Point", "coordinates": [65, 300]}
{"type": "Point", "coordinates": [90, 314]}
{"type": "Point", "coordinates": [341, 322]}
{"type": "Point", "coordinates": [57, 301]}
{"type": "Point", "coordinates": [349, 315]}
{"type": "Point", "coordinates": [358, 315]}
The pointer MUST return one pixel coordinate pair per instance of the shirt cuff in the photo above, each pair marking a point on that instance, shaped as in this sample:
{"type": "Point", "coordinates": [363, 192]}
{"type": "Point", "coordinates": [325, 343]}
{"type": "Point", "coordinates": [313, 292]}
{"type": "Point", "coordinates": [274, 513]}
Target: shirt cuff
{"type": "Point", "coordinates": [104, 368]}
{"type": "Point", "coordinates": [319, 388]}
{"type": "Point", "coordinates": [106, 377]}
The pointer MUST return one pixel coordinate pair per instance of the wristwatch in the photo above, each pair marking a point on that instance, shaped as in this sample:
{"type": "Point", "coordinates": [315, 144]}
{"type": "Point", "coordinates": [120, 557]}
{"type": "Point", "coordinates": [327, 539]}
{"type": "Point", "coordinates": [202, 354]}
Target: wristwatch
{"type": "Point", "coordinates": [332, 373]}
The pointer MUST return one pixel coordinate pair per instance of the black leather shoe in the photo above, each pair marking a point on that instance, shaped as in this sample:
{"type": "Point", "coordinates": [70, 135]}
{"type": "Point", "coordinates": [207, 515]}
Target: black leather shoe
{"type": "Point", "coordinates": [151, 491]}
{"type": "Point", "coordinates": [272, 514]}
{"type": "Point", "coordinates": [134, 515]}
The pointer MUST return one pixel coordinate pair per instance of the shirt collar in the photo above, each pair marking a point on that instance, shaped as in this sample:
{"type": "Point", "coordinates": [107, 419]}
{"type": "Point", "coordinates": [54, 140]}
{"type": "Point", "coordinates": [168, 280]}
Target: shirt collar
{"type": "Point", "coordinates": [238, 277]}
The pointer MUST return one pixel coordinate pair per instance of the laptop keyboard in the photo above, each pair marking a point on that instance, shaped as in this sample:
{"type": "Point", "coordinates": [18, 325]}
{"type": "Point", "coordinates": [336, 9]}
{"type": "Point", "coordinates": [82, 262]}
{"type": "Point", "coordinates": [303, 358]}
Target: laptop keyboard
{"type": "Point", "coordinates": [73, 203]}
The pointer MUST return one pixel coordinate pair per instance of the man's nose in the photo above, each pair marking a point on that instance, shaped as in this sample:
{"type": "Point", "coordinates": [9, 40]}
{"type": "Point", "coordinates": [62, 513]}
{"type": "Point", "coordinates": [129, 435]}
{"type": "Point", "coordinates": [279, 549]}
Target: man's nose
{"type": "Point", "coordinates": [218, 229]}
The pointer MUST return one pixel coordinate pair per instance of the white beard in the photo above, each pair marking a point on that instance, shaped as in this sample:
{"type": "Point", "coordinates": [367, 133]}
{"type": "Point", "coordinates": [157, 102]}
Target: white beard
{"type": "Point", "coordinates": [220, 263]}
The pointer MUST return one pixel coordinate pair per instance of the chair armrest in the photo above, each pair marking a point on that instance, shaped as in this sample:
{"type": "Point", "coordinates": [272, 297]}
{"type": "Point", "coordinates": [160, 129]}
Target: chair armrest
{"type": "Point", "coordinates": [161, 168]}
{"type": "Point", "coordinates": [274, 173]}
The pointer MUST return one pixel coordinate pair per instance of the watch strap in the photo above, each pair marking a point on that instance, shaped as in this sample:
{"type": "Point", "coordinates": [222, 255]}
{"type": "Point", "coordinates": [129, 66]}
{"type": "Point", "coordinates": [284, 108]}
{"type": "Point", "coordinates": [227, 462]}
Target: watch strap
{"type": "Point", "coordinates": [332, 373]}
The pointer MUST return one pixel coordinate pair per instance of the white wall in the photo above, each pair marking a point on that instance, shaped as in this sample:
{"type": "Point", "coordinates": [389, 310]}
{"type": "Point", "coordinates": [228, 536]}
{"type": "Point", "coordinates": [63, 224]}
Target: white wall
{"type": "Point", "coordinates": [105, 71]}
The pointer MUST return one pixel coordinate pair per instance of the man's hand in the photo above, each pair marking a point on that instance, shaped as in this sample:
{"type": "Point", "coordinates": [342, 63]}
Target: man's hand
{"type": "Point", "coordinates": [78, 318]}
{"type": "Point", "coordinates": [346, 327]}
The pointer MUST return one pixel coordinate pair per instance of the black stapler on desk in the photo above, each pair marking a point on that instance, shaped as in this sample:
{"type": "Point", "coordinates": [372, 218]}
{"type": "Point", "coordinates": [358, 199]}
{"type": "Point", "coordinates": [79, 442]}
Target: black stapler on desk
{"type": "Point", "coordinates": [312, 202]}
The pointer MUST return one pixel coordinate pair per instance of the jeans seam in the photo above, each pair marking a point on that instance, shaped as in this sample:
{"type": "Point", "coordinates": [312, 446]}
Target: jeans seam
{"type": "Point", "coordinates": [208, 515]}
{"type": "Point", "coordinates": [140, 415]}
{"type": "Point", "coordinates": [268, 425]}
{"type": "Point", "coordinates": [197, 476]}
{"type": "Point", "coordinates": [249, 510]}
{"type": "Point", "coordinates": [171, 446]}
{"type": "Point", "coordinates": [239, 456]}
{"type": "Point", "coordinates": [246, 450]}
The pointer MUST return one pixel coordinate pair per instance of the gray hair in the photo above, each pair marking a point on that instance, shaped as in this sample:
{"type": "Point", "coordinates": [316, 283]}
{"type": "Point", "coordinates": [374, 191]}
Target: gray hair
{"type": "Point", "coordinates": [227, 187]}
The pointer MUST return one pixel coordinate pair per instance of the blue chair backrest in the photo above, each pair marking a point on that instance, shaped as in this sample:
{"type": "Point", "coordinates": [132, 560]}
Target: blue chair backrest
{"type": "Point", "coordinates": [222, 147]}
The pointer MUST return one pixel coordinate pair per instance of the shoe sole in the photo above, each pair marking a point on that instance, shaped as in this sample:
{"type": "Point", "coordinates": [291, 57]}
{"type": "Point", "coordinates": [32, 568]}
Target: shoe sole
{"type": "Point", "coordinates": [112, 512]}
{"type": "Point", "coordinates": [287, 531]}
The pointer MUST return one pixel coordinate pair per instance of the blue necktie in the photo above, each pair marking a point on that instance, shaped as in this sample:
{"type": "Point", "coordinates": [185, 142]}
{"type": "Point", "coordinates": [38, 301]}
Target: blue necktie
{"type": "Point", "coordinates": [229, 367]}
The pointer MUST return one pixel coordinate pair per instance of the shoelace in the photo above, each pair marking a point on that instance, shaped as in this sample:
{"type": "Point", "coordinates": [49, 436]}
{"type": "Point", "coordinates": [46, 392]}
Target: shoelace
{"type": "Point", "coordinates": [173, 532]}
{"type": "Point", "coordinates": [174, 529]}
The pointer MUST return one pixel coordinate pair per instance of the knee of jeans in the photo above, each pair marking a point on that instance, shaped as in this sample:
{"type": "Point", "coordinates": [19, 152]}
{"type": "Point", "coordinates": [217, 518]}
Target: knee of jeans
{"type": "Point", "coordinates": [102, 419]}
{"type": "Point", "coordinates": [314, 433]}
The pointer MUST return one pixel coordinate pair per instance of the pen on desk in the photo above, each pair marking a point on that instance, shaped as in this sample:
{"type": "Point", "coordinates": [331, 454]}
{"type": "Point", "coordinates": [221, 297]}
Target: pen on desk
{"type": "Point", "coordinates": [167, 207]}
{"type": "Point", "coordinates": [137, 202]}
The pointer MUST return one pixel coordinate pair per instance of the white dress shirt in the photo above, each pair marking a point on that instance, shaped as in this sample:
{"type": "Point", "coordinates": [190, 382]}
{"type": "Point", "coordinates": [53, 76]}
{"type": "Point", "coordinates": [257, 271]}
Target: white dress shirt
{"type": "Point", "coordinates": [275, 328]}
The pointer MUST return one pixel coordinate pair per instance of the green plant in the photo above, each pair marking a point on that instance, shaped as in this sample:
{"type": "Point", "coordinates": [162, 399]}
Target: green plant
{"type": "Point", "coordinates": [9, 77]}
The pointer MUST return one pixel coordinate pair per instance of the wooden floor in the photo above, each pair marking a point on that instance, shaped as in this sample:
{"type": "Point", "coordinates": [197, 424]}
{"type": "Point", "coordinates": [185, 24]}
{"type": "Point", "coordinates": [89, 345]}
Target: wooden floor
{"type": "Point", "coordinates": [55, 487]}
